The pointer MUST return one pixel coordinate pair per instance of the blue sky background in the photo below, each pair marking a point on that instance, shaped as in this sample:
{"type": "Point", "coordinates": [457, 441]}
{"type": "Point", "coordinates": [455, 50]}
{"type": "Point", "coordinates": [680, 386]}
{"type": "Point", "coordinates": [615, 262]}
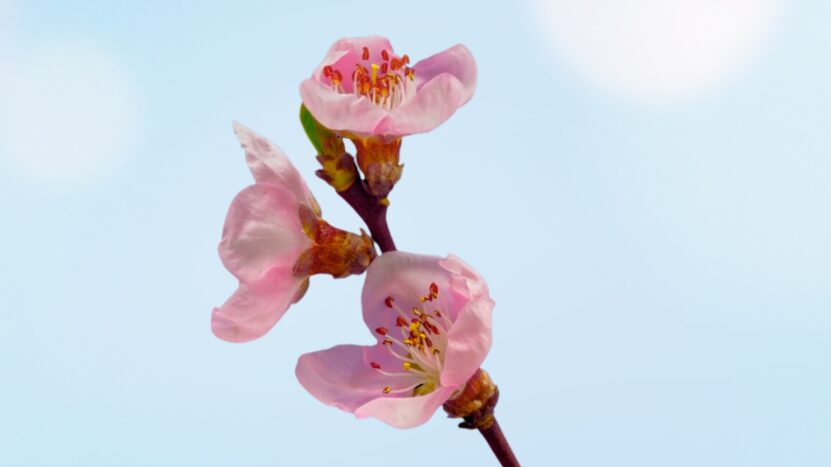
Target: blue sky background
{"type": "Point", "coordinates": [661, 272]}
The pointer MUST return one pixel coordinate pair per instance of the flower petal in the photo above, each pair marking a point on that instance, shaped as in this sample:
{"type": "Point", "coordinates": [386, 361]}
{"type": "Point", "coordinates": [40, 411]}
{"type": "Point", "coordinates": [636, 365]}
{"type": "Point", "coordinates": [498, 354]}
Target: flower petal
{"type": "Point", "coordinates": [262, 231]}
{"type": "Point", "coordinates": [340, 112]}
{"type": "Point", "coordinates": [405, 412]}
{"type": "Point", "coordinates": [269, 164]}
{"type": "Point", "coordinates": [405, 277]}
{"type": "Point", "coordinates": [254, 308]}
{"type": "Point", "coordinates": [466, 284]}
{"type": "Point", "coordinates": [434, 103]}
{"type": "Point", "coordinates": [344, 54]}
{"type": "Point", "coordinates": [471, 336]}
{"type": "Point", "coordinates": [342, 376]}
{"type": "Point", "coordinates": [457, 61]}
{"type": "Point", "coordinates": [468, 342]}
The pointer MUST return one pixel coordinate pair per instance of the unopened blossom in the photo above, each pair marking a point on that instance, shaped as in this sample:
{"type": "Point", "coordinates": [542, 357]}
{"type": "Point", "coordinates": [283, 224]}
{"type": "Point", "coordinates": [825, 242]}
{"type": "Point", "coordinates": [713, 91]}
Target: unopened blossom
{"type": "Point", "coordinates": [432, 321]}
{"type": "Point", "coordinates": [274, 239]}
{"type": "Point", "coordinates": [365, 91]}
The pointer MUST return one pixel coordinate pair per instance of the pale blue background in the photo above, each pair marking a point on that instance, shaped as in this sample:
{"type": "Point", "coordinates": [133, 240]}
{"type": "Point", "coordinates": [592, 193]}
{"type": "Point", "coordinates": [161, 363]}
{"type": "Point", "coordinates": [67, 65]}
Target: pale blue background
{"type": "Point", "coordinates": [661, 274]}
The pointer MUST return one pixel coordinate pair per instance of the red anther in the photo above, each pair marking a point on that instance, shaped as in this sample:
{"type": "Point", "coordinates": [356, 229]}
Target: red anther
{"type": "Point", "coordinates": [414, 320]}
{"type": "Point", "coordinates": [327, 71]}
{"type": "Point", "coordinates": [338, 75]}
{"type": "Point", "coordinates": [384, 54]}
{"type": "Point", "coordinates": [388, 302]}
{"type": "Point", "coordinates": [434, 289]}
{"type": "Point", "coordinates": [375, 365]}
{"type": "Point", "coordinates": [383, 68]}
{"type": "Point", "coordinates": [400, 322]}
{"type": "Point", "coordinates": [429, 342]}
{"type": "Point", "coordinates": [405, 59]}
{"type": "Point", "coordinates": [365, 55]}
{"type": "Point", "coordinates": [387, 342]}
{"type": "Point", "coordinates": [395, 64]}
{"type": "Point", "coordinates": [438, 314]}
{"type": "Point", "coordinates": [382, 331]}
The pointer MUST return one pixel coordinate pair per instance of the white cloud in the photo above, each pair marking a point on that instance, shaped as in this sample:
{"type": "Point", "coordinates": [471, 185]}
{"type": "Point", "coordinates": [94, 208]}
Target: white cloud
{"type": "Point", "coordinates": [67, 114]}
{"type": "Point", "coordinates": [656, 50]}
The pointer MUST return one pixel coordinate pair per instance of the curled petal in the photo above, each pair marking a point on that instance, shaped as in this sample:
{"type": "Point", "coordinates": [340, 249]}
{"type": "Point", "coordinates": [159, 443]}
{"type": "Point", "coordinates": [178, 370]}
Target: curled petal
{"type": "Point", "coordinates": [434, 103]}
{"type": "Point", "coordinates": [262, 231]}
{"type": "Point", "coordinates": [456, 61]}
{"type": "Point", "coordinates": [468, 342]}
{"type": "Point", "coordinates": [255, 307]}
{"type": "Point", "coordinates": [269, 164]}
{"type": "Point", "coordinates": [467, 283]}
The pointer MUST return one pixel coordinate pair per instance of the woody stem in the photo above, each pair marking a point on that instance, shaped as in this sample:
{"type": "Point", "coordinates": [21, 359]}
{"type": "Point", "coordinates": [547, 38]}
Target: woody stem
{"type": "Point", "coordinates": [499, 445]}
{"type": "Point", "coordinates": [373, 213]}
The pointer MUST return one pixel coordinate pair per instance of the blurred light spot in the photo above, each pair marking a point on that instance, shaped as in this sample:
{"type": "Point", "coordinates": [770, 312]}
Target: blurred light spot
{"type": "Point", "coordinates": [67, 115]}
{"type": "Point", "coordinates": [656, 50]}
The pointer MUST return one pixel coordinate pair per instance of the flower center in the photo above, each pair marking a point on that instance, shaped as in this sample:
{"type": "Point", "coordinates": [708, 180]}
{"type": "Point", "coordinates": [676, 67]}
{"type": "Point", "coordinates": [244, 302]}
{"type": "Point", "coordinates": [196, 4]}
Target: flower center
{"type": "Point", "coordinates": [420, 347]}
{"type": "Point", "coordinates": [387, 84]}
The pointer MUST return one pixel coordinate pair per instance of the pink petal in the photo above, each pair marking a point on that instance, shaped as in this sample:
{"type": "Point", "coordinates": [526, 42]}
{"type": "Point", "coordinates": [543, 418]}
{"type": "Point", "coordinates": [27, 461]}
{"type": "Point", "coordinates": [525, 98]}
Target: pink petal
{"type": "Point", "coordinates": [406, 278]}
{"type": "Point", "coordinates": [340, 112]}
{"type": "Point", "coordinates": [262, 231]}
{"type": "Point", "coordinates": [254, 308]}
{"type": "Point", "coordinates": [434, 103]}
{"type": "Point", "coordinates": [468, 342]}
{"type": "Point", "coordinates": [471, 336]}
{"type": "Point", "coordinates": [445, 82]}
{"type": "Point", "coordinates": [344, 54]}
{"type": "Point", "coordinates": [467, 284]}
{"type": "Point", "coordinates": [269, 164]}
{"type": "Point", "coordinates": [457, 61]}
{"type": "Point", "coordinates": [342, 376]}
{"type": "Point", "coordinates": [463, 297]}
{"type": "Point", "coordinates": [405, 412]}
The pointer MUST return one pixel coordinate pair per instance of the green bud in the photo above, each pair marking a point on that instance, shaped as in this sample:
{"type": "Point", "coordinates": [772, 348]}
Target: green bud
{"type": "Point", "coordinates": [325, 141]}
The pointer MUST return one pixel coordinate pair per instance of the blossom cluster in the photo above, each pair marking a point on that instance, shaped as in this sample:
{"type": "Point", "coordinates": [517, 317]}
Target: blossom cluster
{"type": "Point", "coordinates": [430, 316]}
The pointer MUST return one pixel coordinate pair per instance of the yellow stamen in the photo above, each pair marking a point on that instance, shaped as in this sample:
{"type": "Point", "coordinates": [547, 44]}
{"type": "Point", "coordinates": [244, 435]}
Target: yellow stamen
{"type": "Point", "coordinates": [374, 72]}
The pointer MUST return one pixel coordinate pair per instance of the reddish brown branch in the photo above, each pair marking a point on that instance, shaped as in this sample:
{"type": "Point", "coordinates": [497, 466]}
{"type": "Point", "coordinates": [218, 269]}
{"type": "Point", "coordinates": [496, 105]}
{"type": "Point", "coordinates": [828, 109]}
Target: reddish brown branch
{"type": "Point", "coordinates": [499, 445]}
{"type": "Point", "coordinates": [372, 211]}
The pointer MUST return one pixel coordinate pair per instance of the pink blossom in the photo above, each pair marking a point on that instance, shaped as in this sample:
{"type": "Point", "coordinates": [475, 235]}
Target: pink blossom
{"type": "Point", "coordinates": [271, 242]}
{"type": "Point", "coordinates": [363, 88]}
{"type": "Point", "coordinates": [432, 320]}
